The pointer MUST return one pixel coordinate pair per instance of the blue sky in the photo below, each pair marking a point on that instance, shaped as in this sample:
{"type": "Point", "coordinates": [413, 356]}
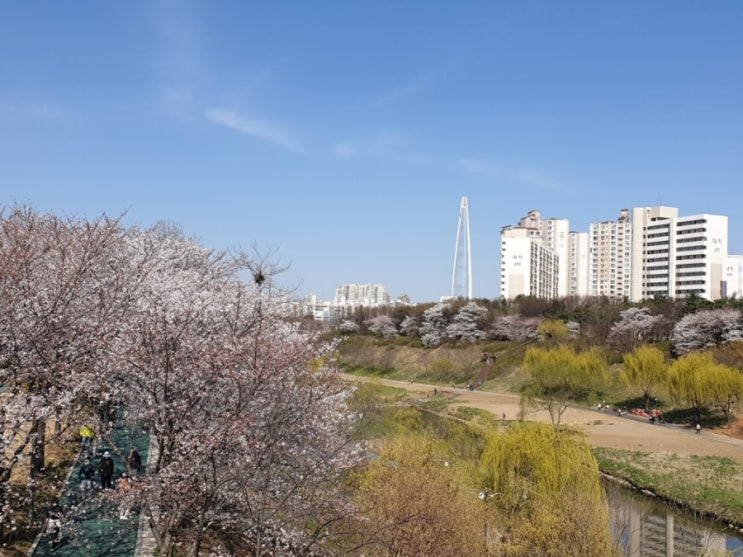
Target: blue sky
{"type": "Point", "coordinates": [343, 134]}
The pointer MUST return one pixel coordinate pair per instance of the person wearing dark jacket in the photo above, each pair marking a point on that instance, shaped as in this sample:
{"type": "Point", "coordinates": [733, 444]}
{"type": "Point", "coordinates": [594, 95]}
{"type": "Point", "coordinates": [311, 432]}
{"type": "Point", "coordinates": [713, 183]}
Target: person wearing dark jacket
{"type": "Point", "coordinates": [86, 476]}
{"type": "Point", "coordinates": [106, 470]}
{"type": "Point", "coordinates": [135, 462]}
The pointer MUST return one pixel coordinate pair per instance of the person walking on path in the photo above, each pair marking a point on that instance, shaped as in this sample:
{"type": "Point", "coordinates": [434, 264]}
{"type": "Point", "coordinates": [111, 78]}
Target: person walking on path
{"type": "Point", "coordinates": [87, 433]}
{"type": "Point", "coordinates": [54, 528]}
{"type": "Point", "coordinates": [699, 429]}
{"type": "Point", "coordinates": [135, 462]}
{"type": "Point", "coordinates": [124, 487]}
{"type": "Point", "coordinates": [86, 476]}
{"type": "Point", "coordinates": [106, 470]}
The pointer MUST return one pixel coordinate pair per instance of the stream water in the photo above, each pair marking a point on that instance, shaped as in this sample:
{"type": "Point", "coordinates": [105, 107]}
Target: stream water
{"type": "Point", "coordinates": [648, 528]}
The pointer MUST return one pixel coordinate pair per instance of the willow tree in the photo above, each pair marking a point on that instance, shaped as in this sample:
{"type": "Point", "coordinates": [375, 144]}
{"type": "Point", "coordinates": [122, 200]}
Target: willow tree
{"type": "Point", "coordinates": [561, 375]}
{"type": "Point", "coordinates": [687, 380]}
{"type": "Point", "coordinates": [554, 330]}
{"type": "Point", "coordinates": [645, 368]}
{"type": "Point", "coordinates": [416, 501]}
{"type": "Point", "coordinates": [725, 386]}
{"type": "Point", "coordinates": [546, 492]}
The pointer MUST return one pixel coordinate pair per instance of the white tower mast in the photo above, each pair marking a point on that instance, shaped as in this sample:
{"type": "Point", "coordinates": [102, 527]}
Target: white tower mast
{"type": "Point", "coordinates": [461, 280]}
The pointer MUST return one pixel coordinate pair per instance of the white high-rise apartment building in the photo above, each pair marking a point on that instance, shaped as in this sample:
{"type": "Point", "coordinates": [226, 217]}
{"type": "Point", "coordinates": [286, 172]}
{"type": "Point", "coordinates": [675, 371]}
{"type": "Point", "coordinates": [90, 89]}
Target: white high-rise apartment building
{"type": "Point", "coordinates": [733, 277]}
{"type": "Point", "coordinates": [528, 267]}
{"type": "Point", "coordinates": [555, 235]}
{"type": "Point", "coordinates": [651, 257]}
{"type": "Point", "coordinates": [676, 256]}
{"type": "Point", "coordinates": [701, 250]}
{"type": "Point", "coordinates": [646, 252]}
{"type": "Point", "coordinates": [578, 262]}
{"type": "Point", "coordinates": [362, 295]}
{"type": "Point", "coordinates": [610, 257]}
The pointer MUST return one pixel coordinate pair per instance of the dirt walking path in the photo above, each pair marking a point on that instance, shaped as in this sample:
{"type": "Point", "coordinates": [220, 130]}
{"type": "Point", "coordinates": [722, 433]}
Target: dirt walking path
{"type": "Point", "coordinates": [602, 429]}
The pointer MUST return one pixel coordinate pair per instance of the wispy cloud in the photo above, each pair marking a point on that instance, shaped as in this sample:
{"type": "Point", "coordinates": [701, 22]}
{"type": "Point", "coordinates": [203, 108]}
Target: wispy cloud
{"type": "Point", "coordinates": [45, 111]}
{"type": "Point", "coordinates": [178, 63]}
{"type": "Point", "coordinates": [535, 177]}
{"type": "Point", "coordinates": [477, 166]}
{"type": "Point", "coordinates": [252, 127]}
{"type": "Point", "coordinates": [33, 111]}
{"type": "Point", "coordinates": [382, 143]}
{"type": "Point", "coordinates": [345, 150]}
{"type": "Point", "coordinates": [178, 102]}
{"type": "Point", "coordinates": [415, 85]}
{"type": "Point", "coordinates": [523, 175]}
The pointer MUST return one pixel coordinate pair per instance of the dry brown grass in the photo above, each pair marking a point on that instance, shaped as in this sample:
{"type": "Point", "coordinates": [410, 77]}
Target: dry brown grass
{"type": "Point", "coordinates": [735, 430]}
{"type": "Point", "coordinates": [60, 453]}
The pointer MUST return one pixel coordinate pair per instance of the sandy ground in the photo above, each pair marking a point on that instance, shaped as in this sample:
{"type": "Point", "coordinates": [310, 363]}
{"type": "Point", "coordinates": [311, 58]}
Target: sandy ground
{"type": "Point", "coordinates": [602, 429]}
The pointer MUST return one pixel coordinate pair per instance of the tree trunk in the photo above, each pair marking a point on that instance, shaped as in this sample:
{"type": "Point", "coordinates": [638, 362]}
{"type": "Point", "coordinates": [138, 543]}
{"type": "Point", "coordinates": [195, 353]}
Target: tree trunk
{"type": "Point", "coordinates": [31, 496]}
{"type": "Point", "coordinates": [38, 450]}
{"type": "Point", "coordinates": [38, 445]}
{"type": "Point", "coordinates": [197, 542]}
{"type": "Point", "coordinates": [57, 423]}
{"type": "Point", "coordinates": [3, 486]}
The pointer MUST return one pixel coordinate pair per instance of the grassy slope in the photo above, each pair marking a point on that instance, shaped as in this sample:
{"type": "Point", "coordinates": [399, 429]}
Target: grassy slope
{"type": "Point", "coordinates": [709, 486]}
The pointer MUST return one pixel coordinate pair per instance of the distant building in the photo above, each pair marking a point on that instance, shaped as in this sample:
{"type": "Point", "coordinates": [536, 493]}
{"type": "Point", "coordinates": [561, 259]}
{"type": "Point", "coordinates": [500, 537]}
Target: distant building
{"type": "Point", "coordinates": [676, 256]}
{"type": "Point", "coordinates": [610, 257]}
{"type": "Point", "coordinates": [646, 252]}
{"type": "Point", "coordinates": [528, 267]}
{"type": "Point", "coordinates": [348, 298]}
{"type": "Point", "coordinates": [733, 277]}
{"type": "Point", "coordinates": [362, 295]}
{"type": "Point", "coordinates": [578, 275]}
{"type": "Point", "coordinates": [326, 311]}
{"type": "Point", "coordinates": [554, 234]}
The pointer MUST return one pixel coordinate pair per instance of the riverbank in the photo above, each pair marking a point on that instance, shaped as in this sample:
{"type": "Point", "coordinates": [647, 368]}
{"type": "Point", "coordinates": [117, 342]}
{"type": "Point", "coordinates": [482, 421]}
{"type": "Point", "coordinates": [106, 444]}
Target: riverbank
{"type": "Point", "coordinates": [702, 474]}
{"type": "Point", "coordinates": [710, 488]}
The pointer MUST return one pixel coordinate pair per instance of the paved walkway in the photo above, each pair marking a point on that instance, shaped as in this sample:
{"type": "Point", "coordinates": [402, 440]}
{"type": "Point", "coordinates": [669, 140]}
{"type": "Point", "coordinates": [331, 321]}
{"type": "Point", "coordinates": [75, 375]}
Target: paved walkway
{"type": "Point", "coordinates": [91, 526]}
{"type": "Point", "coordinates": [146, 545]}
{"type": "Point", "coordinates": [602, 429]}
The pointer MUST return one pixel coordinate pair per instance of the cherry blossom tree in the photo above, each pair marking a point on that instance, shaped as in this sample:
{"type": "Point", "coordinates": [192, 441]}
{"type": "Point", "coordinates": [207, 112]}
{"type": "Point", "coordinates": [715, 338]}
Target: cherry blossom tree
{"type": "Point", "coordinates": [515, 328]}
{"type": "Point", "coordinates": [433, 325]}
{"type": "Point", "coordinates": [410, 326]}
{"type": "Point", "coordinates": [706, 328]}
{"type": "Point", "coordinates": [347, 327]}
{"type": "Point", "coordinates": [574, 328]}
{"type": "Point", "coordinates": [635, 326]}
{"type": "Point", "coordinates": [246, 410]}
{"type": "Point", "coordinates": [382, 325]}
{"type": "Point", "coordinates": [464, 324]}
{"type": "Point", "coordinates": [59, 292]}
